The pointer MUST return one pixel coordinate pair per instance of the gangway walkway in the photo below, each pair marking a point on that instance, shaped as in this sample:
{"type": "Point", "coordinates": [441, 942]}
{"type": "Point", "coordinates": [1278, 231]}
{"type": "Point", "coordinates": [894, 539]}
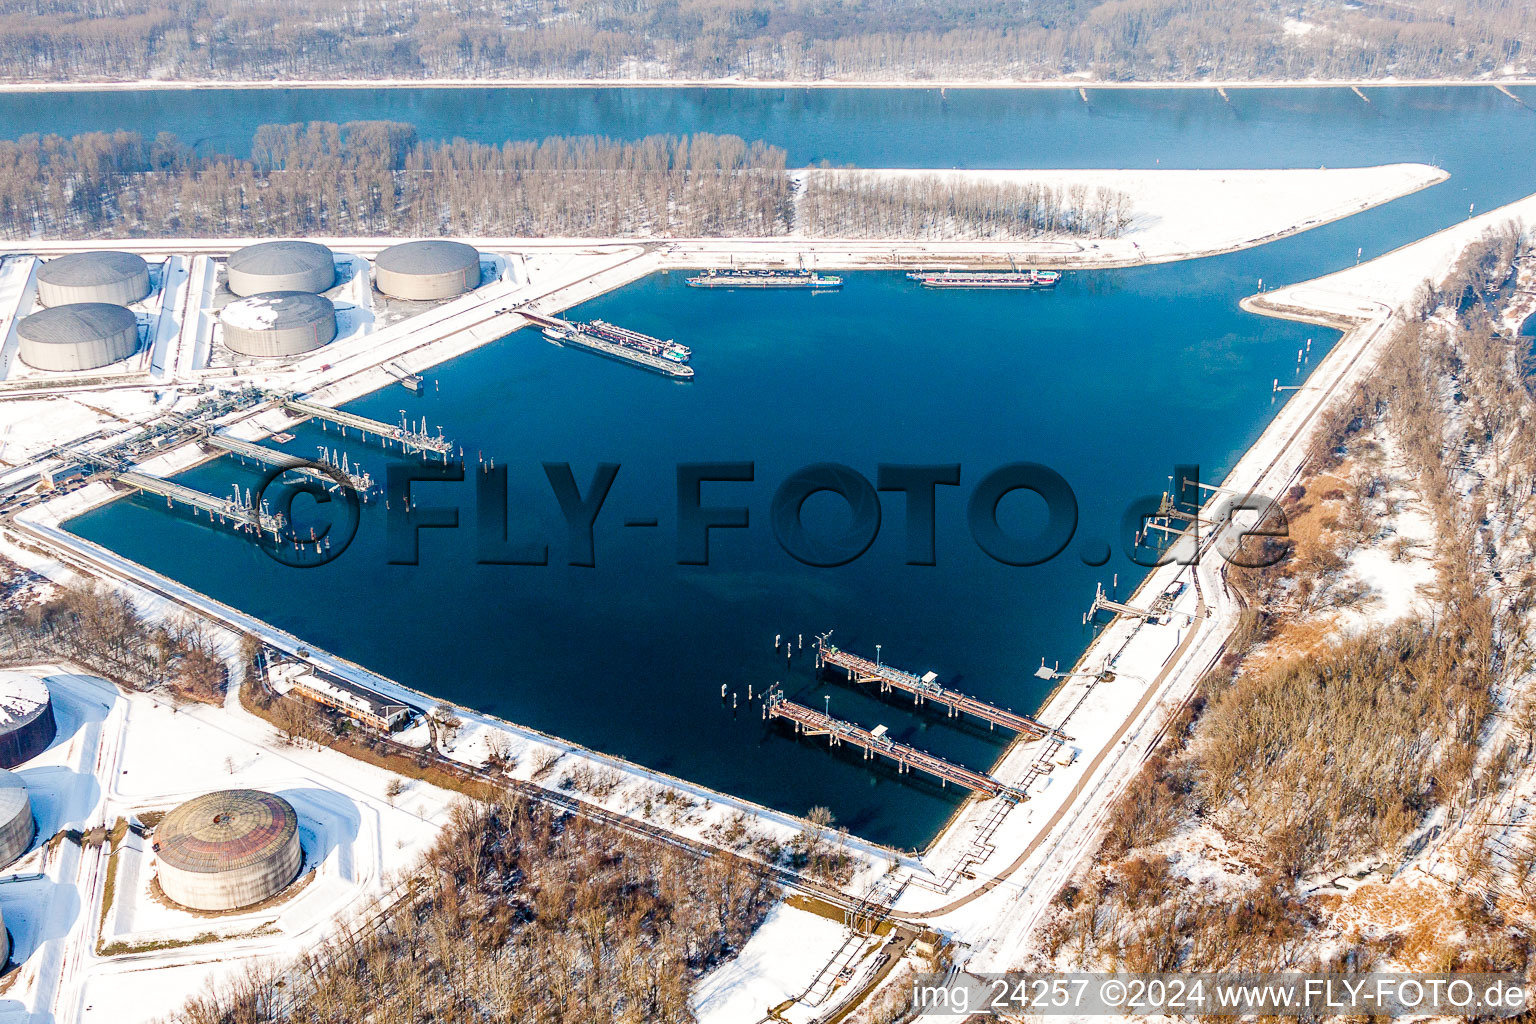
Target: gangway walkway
{"type": "Point", "coordinates": [360, 481]}
{"type": "Point", "coordinates": [409, 438]}
{"type": "Point", "coordinates": [814, 723]}
{"type": "Point", "coordinates": [862, 670]}
{"type": "Point", "coordinates": [231, 510]}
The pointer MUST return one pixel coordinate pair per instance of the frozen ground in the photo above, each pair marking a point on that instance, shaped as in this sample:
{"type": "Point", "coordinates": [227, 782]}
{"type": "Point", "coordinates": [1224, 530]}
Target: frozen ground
{"type": "Point", "coordinates": [1178, 213]}
{"type": "Point", "coordinates": [783, 955]}
{"type": "Point", "coordinates": [1390, 281]}
{"type": "Point", "coordinates": [112, 759]}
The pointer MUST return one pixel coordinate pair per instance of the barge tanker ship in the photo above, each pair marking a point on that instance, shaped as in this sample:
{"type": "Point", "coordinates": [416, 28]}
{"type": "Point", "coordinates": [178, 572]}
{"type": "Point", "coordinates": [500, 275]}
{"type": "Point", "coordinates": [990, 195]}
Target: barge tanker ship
{"type": "Point", "coordinates": [986, 278]}
{"type": "Point", "coordinates": [734, 278]}
{"type": "Point", "coordinates": [602, 338]}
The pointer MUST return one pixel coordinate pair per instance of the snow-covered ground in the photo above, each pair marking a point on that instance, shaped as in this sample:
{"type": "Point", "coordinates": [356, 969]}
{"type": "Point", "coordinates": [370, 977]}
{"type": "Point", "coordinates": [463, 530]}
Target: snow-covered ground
{"type": "Point", "coordinates": [659, 77]}
{"type": "Point", "coordinates": [1390, 281]}
{"type": "Point", "coordinates": [1179, 213]}
{"type": "Point", "coordinates": [781, 958]}
{"type": "Point", "coordinates": [123, 754]}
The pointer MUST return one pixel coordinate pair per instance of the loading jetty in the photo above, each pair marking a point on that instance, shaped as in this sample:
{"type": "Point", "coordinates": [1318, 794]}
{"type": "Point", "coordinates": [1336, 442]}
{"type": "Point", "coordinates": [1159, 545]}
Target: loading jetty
{"type": "Point", "coordinates": [410, 436]}
{"type": "Point", "coordinates": [877, 741]}
{"type": "Point", "coordinates": [927, 688]}
{"type": "Point", "coordinates": [986, 278]}
{"type": "Point", "coordinates": [734, 278]}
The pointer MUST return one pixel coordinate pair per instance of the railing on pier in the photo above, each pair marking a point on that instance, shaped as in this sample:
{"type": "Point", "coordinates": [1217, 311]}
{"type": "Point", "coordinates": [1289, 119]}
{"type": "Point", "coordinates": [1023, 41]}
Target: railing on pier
{"type": "Point", "coordinates": [359, 480]}
{"type": "Point", "coordinates": [237, 512]}
{"type": "Point", "coordinates": [862, 670]}
{"type": "Point", "coordinates": [409, 437]}
{"type": "Point", "coordinates": [813, 723]}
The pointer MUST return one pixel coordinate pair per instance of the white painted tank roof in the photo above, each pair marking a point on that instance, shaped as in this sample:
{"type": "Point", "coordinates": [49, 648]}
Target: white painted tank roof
{"type": "Point", "coordinates": [21, 697]}
{"type": "Point", "coordinates": [271, 311]}
{"type": "Point", "coordinates": [13, 796]}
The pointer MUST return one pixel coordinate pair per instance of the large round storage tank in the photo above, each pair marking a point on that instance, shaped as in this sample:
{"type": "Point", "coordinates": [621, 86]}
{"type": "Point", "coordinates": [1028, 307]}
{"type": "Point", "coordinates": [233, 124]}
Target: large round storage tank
{"type": "Point", "coordinates": [16, 825]}
{"type": "Point", "coordinates": [278, 324]}
{"type": "Point", "coordinates": [427, 270]}
{"type": "Point", "coordinates": [26, 718]}
{"type": "Point", "coordinates": [228, 849]}
{"type": "Point", "coordinates": [117, 277]}
{"type": "Point", "coordinates": [280, 267]}
{"type": "Point", "coordinates": [78, 336]}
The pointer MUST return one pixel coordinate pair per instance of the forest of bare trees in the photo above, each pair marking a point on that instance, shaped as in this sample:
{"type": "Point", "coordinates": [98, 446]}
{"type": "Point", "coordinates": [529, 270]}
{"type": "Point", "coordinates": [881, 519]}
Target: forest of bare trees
{"type": "Point", "coordinates": [866, 205]}
{"type": "Point", "coordinates": [519, 913]}
{"type": "Point", "coordinates": [377, 178]}
{"type": "Point", "coordinates": [1314, 752]}
{"type": "Point", "coordinates": [43, 40]}
{"type": "Point", "coordinates": [102, 630]}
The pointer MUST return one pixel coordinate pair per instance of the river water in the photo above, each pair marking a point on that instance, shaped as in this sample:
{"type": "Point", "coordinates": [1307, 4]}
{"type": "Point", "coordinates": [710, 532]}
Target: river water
{"type": "Point", "coordinates": [1110, 380]}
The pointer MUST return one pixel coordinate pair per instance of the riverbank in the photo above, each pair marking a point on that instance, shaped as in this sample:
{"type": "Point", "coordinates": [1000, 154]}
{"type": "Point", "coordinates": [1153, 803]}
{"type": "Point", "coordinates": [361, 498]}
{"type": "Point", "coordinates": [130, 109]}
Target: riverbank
{"type": "Point", "coordinates": [160, 85]}
{"type": "Point", "coordinates": [998, 915]}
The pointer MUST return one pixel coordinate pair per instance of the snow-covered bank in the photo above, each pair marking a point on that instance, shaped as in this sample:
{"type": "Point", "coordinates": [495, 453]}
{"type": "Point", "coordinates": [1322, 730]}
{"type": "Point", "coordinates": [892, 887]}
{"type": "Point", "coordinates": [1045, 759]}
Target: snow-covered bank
{"type": "Point", "coordinates": [1391, 280]}
{"type": "Point", "coordinates": [1175, 215]}
{"type": "Point", "coordinates": [168, 85]}
{"type": "Point", "coordinates": [1179, 214]}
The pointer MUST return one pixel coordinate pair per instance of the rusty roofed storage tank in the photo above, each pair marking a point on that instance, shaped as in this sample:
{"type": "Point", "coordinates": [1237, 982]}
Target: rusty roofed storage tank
{"type": "Point", "coordinates": [433, 269]}
{"type": "Point", "coordinates": [26, 718]}
{"type": "Point", "coordinates": [116, 277]}
{"type": "Point", "coordinates": [228, 849]}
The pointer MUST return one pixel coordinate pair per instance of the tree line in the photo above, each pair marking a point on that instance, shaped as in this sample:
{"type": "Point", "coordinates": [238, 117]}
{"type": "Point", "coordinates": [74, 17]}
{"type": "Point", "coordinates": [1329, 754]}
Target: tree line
{"type": "Point", "coordinates": [519, 912]}
{"type": "Point", "coordinates": [1175, 40]}
{"type": "Point", "coordinates": [378, 178]}
{"type": "Point", "coordinates": [1312, 751]}
{"type": "Point", "coordinates": [103, 631]}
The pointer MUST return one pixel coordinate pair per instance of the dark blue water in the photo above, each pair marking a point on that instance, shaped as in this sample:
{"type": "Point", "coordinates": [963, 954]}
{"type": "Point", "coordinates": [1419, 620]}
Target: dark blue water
{"type": "Point", "coordinates": [1110, 380]}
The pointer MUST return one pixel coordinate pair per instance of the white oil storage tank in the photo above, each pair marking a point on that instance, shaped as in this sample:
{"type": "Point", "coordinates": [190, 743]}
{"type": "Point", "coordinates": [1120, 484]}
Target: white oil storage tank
{"type": "Point", "coordinates": [280, 267]}
{"type": "Point", "coordinates": [78, 336]}
{"type": "Point", "coordinates": [227, 849]}
{"type": "Point", "coordinates": [278, 324]}
{"type": "Point", "coordinates": [17, 828]}
{"type": "Point", "coordinates": [27, 725]}
{"type": "Point", "coordinates": [116, 277]}
{"type": "Point", "coordinates": [432, 269]}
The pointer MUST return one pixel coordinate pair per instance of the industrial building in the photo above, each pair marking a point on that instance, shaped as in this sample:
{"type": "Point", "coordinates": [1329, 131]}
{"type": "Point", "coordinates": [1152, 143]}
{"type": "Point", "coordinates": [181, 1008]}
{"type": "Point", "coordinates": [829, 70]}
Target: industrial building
{"type": "Point", "coordinates": [116, 277]}
{"type": "Point", "coordinates": [362, 705]}
{"type": "Point", "coordinates": [280, 267]}
{"type": "Point", "coordinates": [228, 849]}
{"type": "Point", "coordinates": [78, 336]}
{"type": "Point", "coordinates": [26, 718]}
{"type": "Point", "coordinates": [276, 324]}
{"type": "Point", "coordinates": [17, 829]}
{"type": "Point", "coordinates": [434, 269]}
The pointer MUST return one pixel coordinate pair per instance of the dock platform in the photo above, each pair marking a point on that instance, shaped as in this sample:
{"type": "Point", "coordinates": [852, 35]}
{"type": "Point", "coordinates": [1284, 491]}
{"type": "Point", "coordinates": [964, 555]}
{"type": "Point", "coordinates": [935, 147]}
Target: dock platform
{"type": "Point", "coordinates": [409, 438]}
{"type": "Point", "coordinates": [811, 722]}
{"type": "Point", "coordinates": [360, 481]}
{"type": "Point", "coordinates": [862, 670]}
{"type": "Point", "coordinates": [223, 509]}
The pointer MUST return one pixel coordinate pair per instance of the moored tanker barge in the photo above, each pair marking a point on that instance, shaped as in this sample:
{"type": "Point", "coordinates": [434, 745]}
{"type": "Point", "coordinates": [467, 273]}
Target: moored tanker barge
{"type": "Point", "coordinates": [986, 278]}
{"type": "Point", "coordinates": [605, 339]}
{"type": "Point", "coordinates": [734, 278]}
